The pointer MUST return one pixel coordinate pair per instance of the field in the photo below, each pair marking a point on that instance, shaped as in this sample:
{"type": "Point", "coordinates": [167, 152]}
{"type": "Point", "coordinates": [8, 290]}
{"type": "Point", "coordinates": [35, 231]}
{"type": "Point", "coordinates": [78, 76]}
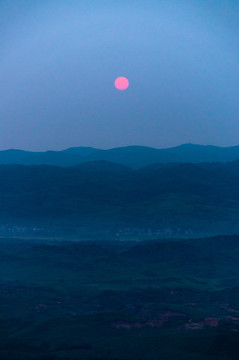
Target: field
{"type": "Point", "coordinates": [176, 299]}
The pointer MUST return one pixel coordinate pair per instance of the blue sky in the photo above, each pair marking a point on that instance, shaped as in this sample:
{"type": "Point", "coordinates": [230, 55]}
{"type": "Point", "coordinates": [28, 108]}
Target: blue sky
{"type": "Point", "coordinates": [59, 60]}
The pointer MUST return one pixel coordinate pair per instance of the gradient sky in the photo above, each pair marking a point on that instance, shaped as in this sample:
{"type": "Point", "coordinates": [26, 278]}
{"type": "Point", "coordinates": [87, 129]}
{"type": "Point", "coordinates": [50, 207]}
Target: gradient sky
{"type": "Point", "coordinates": [59, 60]}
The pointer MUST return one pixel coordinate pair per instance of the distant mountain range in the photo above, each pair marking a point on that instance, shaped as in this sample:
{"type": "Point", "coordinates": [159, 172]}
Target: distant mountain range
{"type": "Point", "coordinates": [132, 156]}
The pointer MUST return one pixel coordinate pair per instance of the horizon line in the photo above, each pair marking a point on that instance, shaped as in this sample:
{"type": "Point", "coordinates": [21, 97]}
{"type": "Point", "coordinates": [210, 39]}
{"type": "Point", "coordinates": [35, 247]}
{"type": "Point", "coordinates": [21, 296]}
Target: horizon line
{"type": "Point", "coordinates": [120, 147]}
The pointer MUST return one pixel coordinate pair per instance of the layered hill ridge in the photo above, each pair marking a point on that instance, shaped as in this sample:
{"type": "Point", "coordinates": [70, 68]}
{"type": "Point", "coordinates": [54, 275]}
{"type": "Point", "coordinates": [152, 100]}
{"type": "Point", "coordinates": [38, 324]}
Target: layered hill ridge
{"type": "Point", "coordinates": [182, 199]}
{"type": "Point", "coordinates": [132, 156]}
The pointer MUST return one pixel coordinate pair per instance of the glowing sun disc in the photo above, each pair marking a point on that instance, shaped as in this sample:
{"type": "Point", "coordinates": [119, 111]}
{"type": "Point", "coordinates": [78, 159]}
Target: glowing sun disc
{"type": "Point", "coordinates": [121, 83]}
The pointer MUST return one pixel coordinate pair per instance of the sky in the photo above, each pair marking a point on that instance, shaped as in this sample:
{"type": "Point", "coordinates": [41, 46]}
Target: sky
{"type": "Point", "coordinates": [59, 60]}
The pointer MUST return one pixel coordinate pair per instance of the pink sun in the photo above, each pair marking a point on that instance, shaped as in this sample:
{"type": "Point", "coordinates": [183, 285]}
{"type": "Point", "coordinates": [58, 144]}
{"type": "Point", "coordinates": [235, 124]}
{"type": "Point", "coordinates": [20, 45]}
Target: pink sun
{"type": "Point", "coordinates": [121, 83]}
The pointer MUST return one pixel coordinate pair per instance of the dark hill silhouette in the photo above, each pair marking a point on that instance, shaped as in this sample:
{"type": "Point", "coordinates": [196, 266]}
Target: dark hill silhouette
{"type": "Point", "coordinates": [132, 156]}
{"type": "Point", "coordinates": [199, 198]}
{"type": "Point", "coordinates": [102, 166]}
{"type": "Point", "coordinates": [67, 157]}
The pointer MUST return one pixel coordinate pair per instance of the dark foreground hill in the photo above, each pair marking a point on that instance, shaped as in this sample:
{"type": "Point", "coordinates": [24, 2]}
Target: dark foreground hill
{"type": "Point", "coordinates": [119, 300]}
{"type": "Point", "coordinates": [133, 156]}
{"type": "Point", "coordinates": [113, 200]}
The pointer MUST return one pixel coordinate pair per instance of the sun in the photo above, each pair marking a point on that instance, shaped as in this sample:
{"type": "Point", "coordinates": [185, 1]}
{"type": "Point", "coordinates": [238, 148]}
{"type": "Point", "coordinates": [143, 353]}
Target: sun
{"type": "Point", "coordinates": [121, 83]}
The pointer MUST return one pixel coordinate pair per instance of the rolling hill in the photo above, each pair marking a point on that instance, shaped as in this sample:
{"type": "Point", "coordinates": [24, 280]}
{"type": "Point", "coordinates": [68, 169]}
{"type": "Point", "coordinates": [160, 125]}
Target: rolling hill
{"type": "Point", "coordinates": [165, 200]}
{"type": "Point", "coordinates": [132, 156]}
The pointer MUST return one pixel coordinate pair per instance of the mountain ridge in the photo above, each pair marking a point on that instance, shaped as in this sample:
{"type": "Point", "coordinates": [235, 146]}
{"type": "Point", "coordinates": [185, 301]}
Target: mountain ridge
{"type": "Point", "coordinates": [135, 156]}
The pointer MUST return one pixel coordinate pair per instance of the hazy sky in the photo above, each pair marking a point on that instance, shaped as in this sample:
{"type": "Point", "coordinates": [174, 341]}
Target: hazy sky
{"type": "Point", "coordinates": [59, 60]}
